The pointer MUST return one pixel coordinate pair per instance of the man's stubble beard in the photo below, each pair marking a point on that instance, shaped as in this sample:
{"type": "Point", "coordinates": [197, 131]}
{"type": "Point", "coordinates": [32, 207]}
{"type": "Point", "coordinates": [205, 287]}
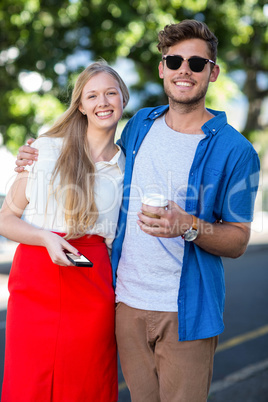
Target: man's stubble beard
{"type": "Point", "coordinates": [186, 105]}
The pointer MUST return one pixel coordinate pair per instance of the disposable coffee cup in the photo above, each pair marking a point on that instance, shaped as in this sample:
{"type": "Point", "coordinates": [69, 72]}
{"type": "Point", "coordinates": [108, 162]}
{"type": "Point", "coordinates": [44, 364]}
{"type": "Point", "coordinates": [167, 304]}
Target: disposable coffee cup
{"type": "Point", "coordinates": [154, 200]}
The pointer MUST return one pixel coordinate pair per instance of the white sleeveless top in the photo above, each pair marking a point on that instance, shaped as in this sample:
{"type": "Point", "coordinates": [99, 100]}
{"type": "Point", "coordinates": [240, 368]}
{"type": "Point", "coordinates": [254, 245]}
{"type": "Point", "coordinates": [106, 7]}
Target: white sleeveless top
{"type": "Point", "coordinates": [108, 191]}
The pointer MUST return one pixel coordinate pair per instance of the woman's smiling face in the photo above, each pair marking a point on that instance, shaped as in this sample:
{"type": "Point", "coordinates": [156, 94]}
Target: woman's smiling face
{"type": "Point", "coordinates": [102, 101]}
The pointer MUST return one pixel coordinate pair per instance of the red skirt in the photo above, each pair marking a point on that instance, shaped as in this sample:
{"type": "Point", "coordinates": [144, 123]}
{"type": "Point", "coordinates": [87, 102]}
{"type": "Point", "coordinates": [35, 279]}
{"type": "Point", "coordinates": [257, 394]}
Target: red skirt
{"type": "Point", "coordinates": [60, 342]}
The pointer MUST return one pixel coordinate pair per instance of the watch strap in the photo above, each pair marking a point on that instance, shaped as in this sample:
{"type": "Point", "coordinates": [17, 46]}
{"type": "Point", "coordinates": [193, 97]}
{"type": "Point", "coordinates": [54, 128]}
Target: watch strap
{"type": "Point", "coordinates": [194, 224]}
{"type": "Point", "coordinates": [193, 227]}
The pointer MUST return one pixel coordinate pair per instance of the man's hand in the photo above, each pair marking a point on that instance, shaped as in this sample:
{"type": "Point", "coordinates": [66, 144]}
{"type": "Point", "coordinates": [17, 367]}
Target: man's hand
{"type": "Point", "coordinates": [225, 239]}
{"type": "Point", "coordinates": [173, 222]}
{"type": "Point", "coordinates": [26, 156]}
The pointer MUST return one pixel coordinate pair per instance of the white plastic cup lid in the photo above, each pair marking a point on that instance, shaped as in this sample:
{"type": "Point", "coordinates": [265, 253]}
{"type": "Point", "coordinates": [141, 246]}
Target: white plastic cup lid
{"type": "Point", "coordinates": [155, 200]}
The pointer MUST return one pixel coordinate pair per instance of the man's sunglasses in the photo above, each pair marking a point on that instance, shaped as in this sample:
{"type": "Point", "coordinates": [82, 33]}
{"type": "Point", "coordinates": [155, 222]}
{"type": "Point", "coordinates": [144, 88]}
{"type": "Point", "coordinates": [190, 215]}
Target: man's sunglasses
{"type": "Point", "coordinates": [195, 63]}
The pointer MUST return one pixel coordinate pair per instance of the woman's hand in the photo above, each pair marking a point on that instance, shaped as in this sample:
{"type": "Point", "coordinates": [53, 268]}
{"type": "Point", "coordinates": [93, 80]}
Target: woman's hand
{"type": "Point", "coordinates": [26, 156]}
{"type": "Point", "coordinates": [55, 245]}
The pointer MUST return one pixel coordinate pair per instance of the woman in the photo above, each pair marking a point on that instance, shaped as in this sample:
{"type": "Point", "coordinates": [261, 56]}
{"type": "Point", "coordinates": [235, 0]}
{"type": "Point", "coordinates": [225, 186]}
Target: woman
{"type": "Point", "coordinates": [60, 343]}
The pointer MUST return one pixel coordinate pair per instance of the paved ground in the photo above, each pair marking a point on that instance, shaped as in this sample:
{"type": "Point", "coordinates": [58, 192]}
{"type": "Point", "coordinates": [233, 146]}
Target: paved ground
{"type": "Point", "coordinates": [254, 388]}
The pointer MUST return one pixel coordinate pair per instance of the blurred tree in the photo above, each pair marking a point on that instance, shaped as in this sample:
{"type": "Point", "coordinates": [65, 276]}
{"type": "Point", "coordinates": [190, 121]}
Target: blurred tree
{"type": "Point", "coordinates": [242, 27]}
{"type": "Point", "coordinates": [34, 37]}
{"type": "Point", "coordinates": [44, 42]}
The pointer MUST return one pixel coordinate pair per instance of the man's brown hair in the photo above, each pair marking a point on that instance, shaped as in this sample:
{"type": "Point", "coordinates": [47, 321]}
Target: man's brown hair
{"type": "Point", "coordinates": [187, 29]}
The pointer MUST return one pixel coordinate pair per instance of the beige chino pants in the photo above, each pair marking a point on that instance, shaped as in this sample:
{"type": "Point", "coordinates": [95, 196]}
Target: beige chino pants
{"type": "Point", "coordinates": [156, 366]}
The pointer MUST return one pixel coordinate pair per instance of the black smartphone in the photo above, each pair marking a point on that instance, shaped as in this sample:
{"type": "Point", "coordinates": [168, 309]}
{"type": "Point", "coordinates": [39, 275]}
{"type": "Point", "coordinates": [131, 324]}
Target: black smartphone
{"type": "Point", "coordinates": [79, 261]}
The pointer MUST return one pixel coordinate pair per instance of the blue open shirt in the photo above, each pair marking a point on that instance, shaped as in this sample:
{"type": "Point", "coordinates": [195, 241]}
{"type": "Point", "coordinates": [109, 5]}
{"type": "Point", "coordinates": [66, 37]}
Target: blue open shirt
{"type": "Point", "coordinates": [222, 184]}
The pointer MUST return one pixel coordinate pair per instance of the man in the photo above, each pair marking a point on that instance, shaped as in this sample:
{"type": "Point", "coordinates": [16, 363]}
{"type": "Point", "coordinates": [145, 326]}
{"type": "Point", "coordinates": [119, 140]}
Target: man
{"type": "Point", "coordinates": [170, 291]}
{"type": "Point", "coordinates": [170, 281]}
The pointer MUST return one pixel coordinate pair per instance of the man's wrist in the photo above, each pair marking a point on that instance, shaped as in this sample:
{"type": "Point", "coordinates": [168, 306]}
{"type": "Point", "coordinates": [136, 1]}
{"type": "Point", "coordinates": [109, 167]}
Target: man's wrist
{"type": "Point", "coordinates": [191, 233]}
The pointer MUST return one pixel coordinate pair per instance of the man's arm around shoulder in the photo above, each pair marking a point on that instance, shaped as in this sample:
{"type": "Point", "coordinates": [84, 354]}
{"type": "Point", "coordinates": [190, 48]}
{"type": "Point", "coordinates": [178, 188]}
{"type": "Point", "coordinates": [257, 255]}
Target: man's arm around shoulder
{"type": "Point", "coordinates": [26, 156]}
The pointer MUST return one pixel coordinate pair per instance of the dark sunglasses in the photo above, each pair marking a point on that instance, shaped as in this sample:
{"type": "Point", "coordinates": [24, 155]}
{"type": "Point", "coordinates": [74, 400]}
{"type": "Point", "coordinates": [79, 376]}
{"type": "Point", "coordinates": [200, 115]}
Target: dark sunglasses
{"type": "Point", "coordinates": [195, 63]}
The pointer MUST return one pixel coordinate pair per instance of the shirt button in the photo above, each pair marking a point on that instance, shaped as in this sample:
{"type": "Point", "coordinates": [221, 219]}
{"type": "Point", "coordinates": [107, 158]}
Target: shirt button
{"type": "Point", "coordinates": [134, 152]}
{"type": "Point", "coordinates": [213, 129]}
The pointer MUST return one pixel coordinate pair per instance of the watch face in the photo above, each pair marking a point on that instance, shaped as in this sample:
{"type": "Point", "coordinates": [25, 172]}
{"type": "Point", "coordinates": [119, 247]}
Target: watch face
{"type": "Point", "coordinates": [190, 235]}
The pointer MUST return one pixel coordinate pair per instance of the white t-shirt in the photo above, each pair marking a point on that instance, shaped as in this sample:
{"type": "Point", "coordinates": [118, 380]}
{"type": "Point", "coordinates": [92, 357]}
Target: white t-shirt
{"type": "Point", "coordinates": [50, 215]}
{"type": "Point", "coordinates": [149, 270]}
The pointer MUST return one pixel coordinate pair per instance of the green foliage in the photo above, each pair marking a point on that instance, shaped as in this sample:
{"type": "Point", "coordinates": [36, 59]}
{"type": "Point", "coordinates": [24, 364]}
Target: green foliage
{"type": "Point", "coordinates": [260, 141]}
{"type": "Point", "coordinates": [222, 91]}
{"type": "Point", "coordinates": [39, 36]}
{"type": "Point", "coordinates": [37, 110]}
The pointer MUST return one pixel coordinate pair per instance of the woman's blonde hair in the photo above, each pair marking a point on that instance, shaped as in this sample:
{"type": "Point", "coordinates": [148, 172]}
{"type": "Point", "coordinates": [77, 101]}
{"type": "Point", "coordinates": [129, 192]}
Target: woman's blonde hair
{"type": "Point", "coordinates": [74, 165]}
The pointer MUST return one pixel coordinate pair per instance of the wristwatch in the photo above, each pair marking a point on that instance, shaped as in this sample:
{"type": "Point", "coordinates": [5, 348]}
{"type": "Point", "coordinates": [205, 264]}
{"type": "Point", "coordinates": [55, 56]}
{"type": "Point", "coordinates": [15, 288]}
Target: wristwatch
{"type": "Point", "coordinates": [192, 233]}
